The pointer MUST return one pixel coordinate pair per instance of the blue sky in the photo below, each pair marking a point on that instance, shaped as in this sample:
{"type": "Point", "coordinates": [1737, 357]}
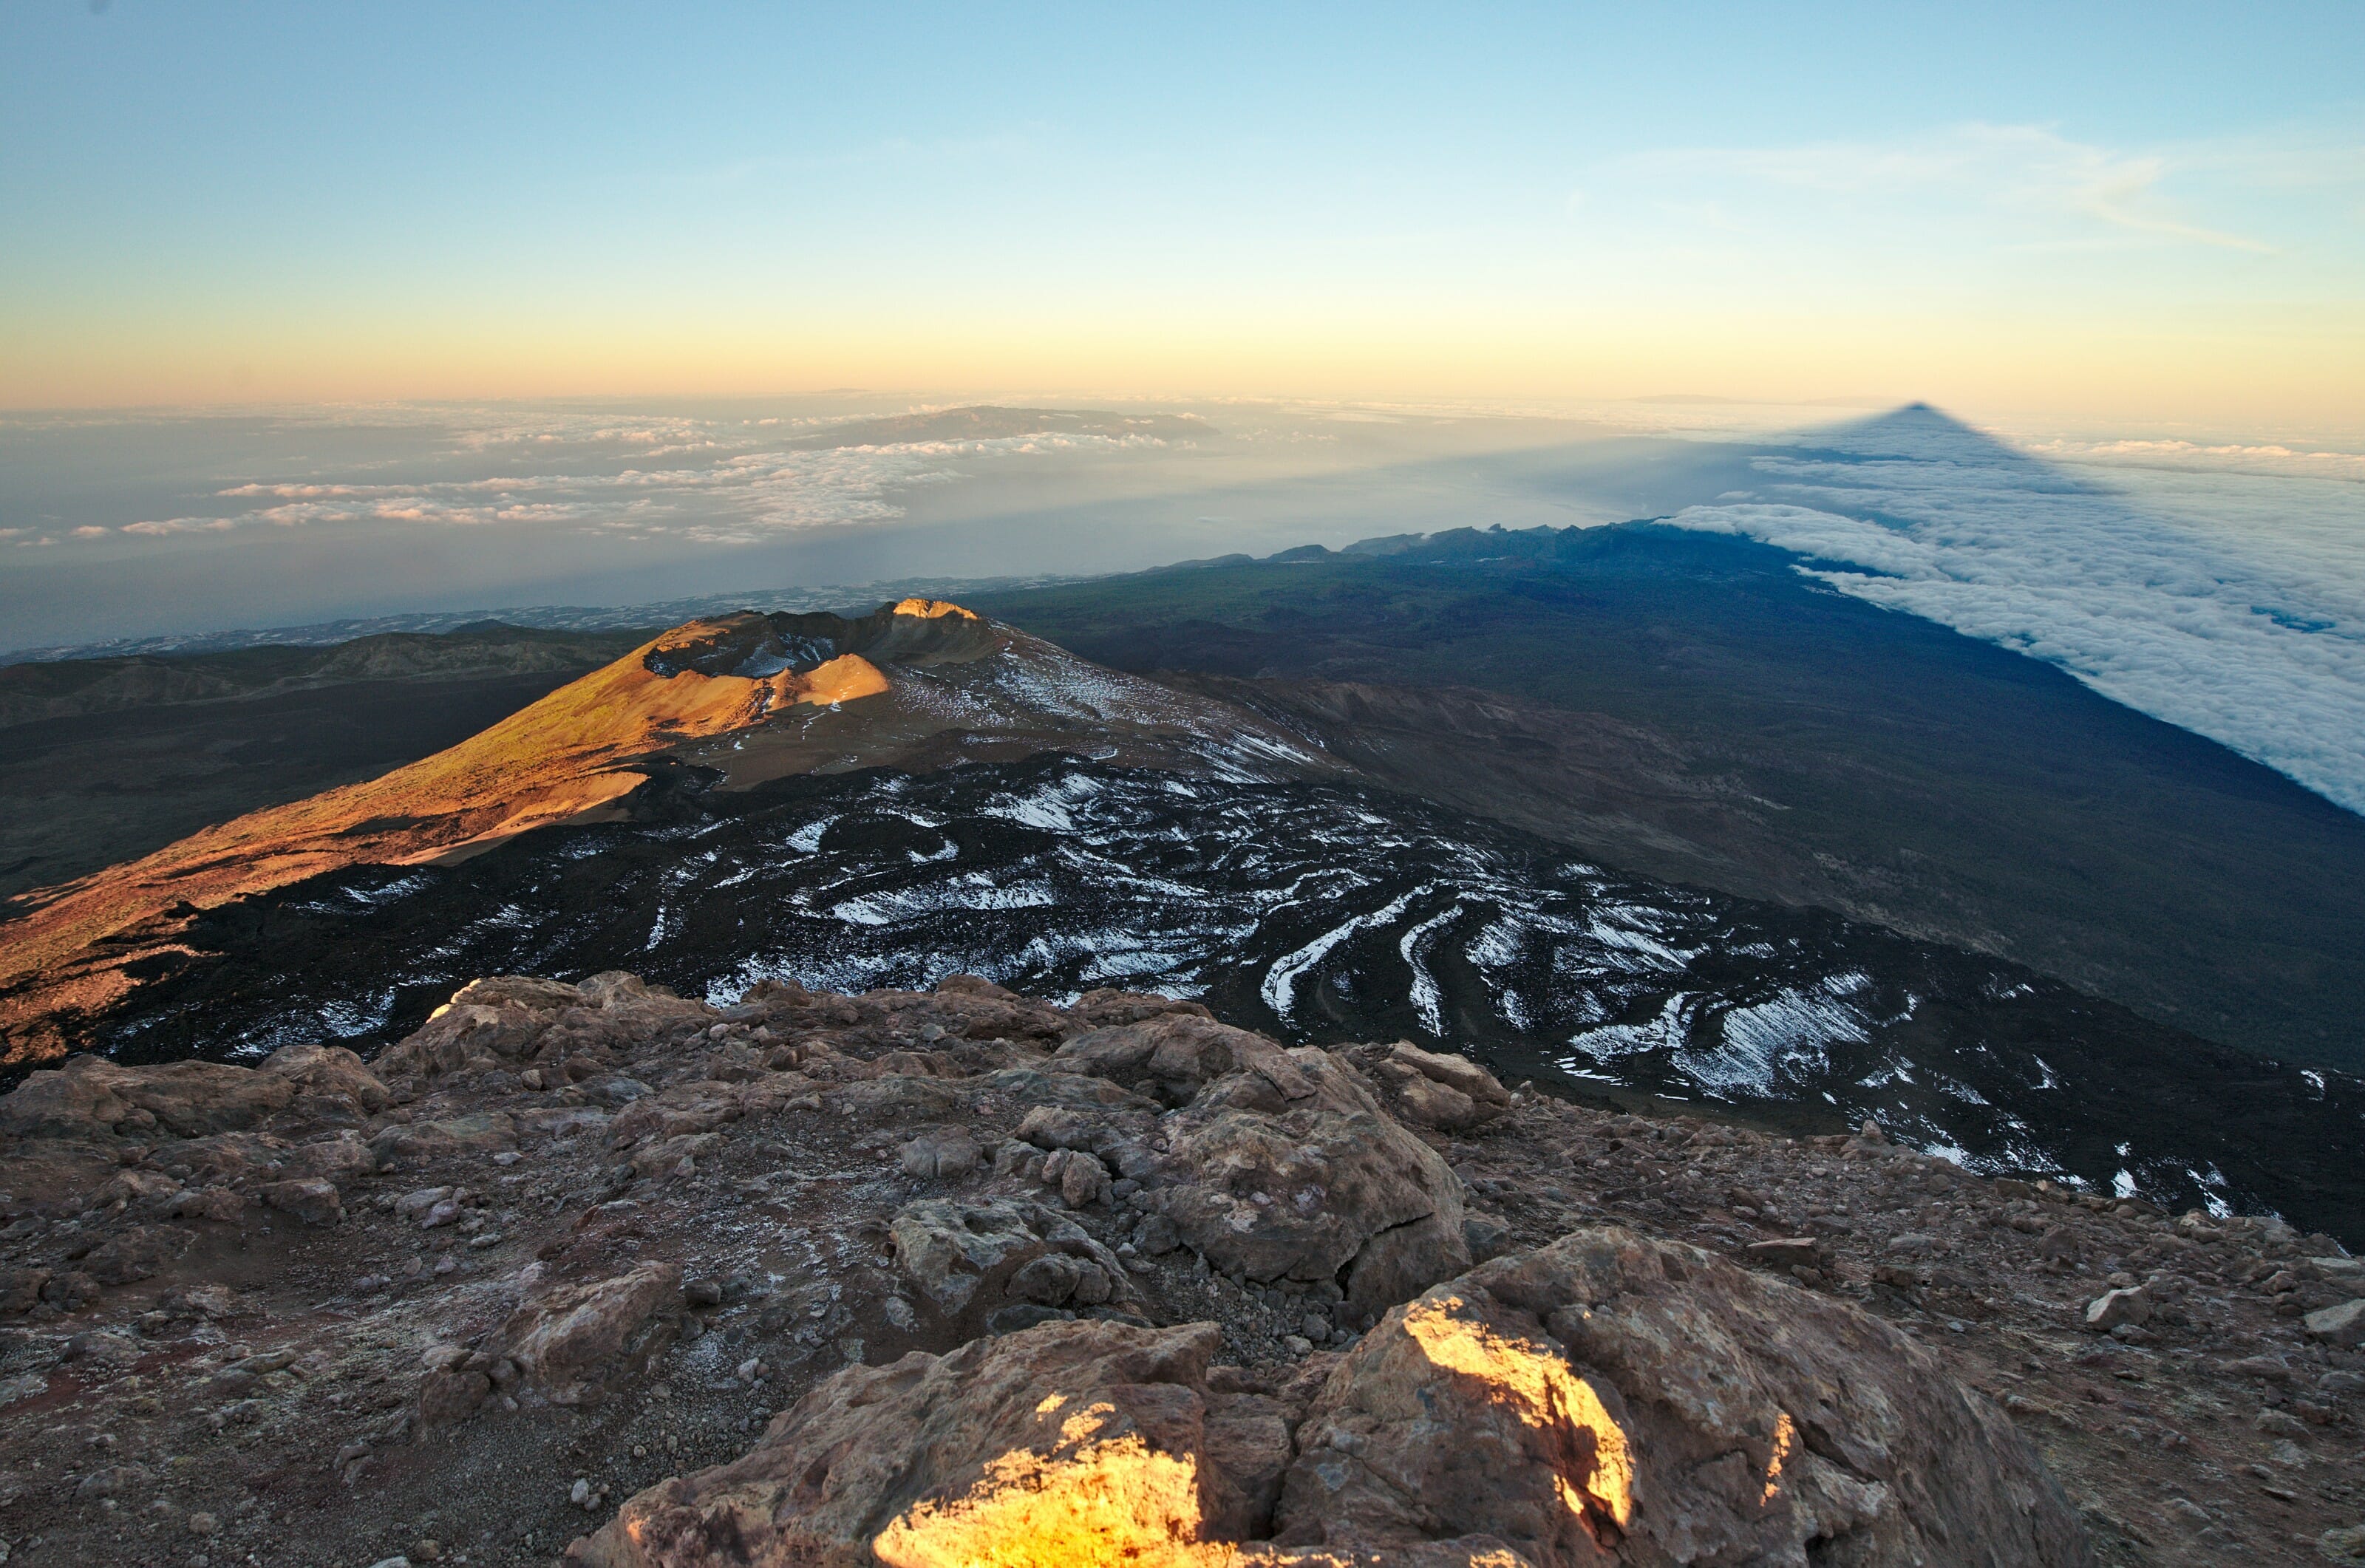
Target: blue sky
{"type": "Point", "coordinates": [2149, 214]}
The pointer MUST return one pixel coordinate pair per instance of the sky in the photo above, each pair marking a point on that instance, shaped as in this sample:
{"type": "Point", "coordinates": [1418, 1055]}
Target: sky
{"type": "Point", "coordinates": [312, 311]}
{"type": "Point", "coordinates": [2108, 221]}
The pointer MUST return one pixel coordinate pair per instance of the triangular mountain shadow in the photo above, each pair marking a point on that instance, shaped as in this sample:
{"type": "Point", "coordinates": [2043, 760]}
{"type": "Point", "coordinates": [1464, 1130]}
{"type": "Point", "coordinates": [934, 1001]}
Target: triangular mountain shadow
{"type": "Point", "coordinates": [1921, 431]}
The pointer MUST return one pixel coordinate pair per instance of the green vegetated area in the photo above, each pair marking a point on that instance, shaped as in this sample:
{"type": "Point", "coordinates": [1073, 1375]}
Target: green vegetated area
{"type": "Point", "coordinates": [1808, 746]}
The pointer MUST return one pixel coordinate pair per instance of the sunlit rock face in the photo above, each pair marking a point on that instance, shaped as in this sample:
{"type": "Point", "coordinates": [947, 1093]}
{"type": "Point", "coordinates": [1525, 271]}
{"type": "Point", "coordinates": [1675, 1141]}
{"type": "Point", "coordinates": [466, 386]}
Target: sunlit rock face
{"type": "Point", "coordinates": [1612, 1399]}
{"type": "Point", "coordinates": [1075, 1443]}
{"type": "Point", "coordinates": [1607, 1399]}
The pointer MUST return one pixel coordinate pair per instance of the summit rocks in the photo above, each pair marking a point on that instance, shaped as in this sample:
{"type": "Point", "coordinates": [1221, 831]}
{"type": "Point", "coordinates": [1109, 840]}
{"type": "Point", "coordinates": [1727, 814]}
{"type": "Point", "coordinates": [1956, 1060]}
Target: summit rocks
{"type": "Point", "coordinates": [886, 1278]}
{"type": "Point", "coordinates": [1614, 1399]}
{"type": "Point", "coordinates": [1604, 1400]}
{"type": "Point", "coordinates": [1280, 1165]}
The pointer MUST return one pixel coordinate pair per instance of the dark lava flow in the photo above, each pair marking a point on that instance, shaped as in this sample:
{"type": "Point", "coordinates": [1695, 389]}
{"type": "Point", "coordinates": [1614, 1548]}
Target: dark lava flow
{"type": "Point", "coordinates": [1312, 912]}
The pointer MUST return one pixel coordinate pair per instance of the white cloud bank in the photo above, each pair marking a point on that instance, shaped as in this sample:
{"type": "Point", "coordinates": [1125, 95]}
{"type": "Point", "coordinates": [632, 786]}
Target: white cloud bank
{"type": "Point", "coordinates": [739, 494]}
{"type": "Point", "coordinates": [2233, 607]}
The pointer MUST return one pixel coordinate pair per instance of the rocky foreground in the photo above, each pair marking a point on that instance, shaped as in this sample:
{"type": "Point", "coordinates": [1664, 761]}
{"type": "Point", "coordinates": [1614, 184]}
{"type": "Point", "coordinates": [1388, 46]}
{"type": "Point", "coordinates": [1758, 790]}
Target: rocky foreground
{"type": "Point", "coordinates": [599, 1275]}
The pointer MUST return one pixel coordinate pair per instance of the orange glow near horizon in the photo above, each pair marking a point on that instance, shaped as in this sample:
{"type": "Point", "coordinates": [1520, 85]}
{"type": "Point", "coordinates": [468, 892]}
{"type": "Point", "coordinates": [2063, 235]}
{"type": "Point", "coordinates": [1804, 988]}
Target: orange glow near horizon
{"type": "Point", "coordinates": [2264, 377]}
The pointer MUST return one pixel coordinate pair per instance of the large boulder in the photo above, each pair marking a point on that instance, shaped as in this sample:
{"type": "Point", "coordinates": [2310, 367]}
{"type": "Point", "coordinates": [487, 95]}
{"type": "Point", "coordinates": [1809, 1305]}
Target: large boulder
{"type": "Point", "coordinates": [1279, 1164]}
{"type": "Point", "coordinates": [1070, 1443]}
{"type": "Point", "coordinates": [332, 1088]}
{"type": "Point", "coordinates": [1312, 1195]}
{"type": "Point", "coordinates": [1605, 1400]}
{"type": "Point", "coordinates": [502, 1018]}
{"type": "Point", "coordinates": [1438, 1089]}
{"type": "Point", "coordinates": [477, 1134]}
{"type": "Point", "coordinates": [1173, 1056]}
{"type": "Point", "coordinates": [573, 1344]}
{"type": "Point", "coordinates": [510, 1020]}
{"type": "Point", "coordinates": [2341, 1323]}
{"type": "Point", "coordinates": [1611, 1399]}
{"type": "Point", "coordinates": [973, 1262]}
{"type": "Point", "coordinates": [977, 1009]}
{"type": "Point", "coordinates": [91, 1097]}
{"type": "Point", "coordinates": [140, 1252]}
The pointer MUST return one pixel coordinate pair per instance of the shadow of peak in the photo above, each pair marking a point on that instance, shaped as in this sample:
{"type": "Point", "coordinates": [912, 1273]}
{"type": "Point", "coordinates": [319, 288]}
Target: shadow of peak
{"type": "Point", "coordinates": [1924, 432]}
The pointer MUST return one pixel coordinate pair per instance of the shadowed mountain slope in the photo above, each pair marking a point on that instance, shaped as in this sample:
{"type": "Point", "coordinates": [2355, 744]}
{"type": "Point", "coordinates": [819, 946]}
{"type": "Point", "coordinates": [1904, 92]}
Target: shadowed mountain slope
{"type": "Point", "coordinates": [1690, 707]}
{"type": "Point", "coordinates": [73, 689]}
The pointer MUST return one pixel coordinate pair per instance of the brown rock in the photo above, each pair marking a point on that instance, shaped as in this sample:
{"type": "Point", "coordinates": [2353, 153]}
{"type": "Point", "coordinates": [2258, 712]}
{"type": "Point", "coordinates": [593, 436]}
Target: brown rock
{"type": "Point", "coordinates": [1083, 1178]}
{"type": "Point", "coordinates": [331, 1085]}
{"type": "Point", "coordinates": [19, 1289]}
{"type": "Point", "coordinates": [1173, 1056]}
{"type": "Point", "coordinates": [2059, 1243]}
{"type": "Point", "coordinates": [967, 1259]}
{"type": "Point", "coordinates": [139, 1253]}
{"type": "Point", "coordinates": [503, 1017]}
{"type": "Point", "coordinates": [677, 1112]}
{"type": "Point", "coordinates": [1440, 1089]}
{"type": "Point", "coordinates": [1609, 1399]}
{"type": "Point", "coordinates": [510, 1020]}
{"type": "Point", "coordinates": [900, 1100]}
{"type": "Point", "coordinates": [1430, 1105]}
{"type": "Point", "coordinates": [1786, 1251]}
{"type": "Point", "coordinates": [451, 1396]}
{"type": "Point", "coordinates": [478, 1133]}
{"type": "Point", "coordinates": [2341, 1324]}
{"type": "Point", "coordinates": [1069, 1443]}
{"type": "Point", "coordinates": [1058, 1127]}
{"type": "Point", "coordinates": [1306, 1193]}
{"type": "Point", "coordinates": [940, 1153]}
{"type": "Point", "coordinates": [573, 1344]}
{"type": "Point", "coordinates": [308, 1198]}
{"type": "Point", "coordinates": [69, 1290]}
{"type": "Point", "coordinates": [206, 1203]}
{"type": "Point", "coordinates": [91, 1097]}
{"type": "Point", "coordinates": [333, 1157]}
{"type": "Point", "coordinates": [2112, 1308]}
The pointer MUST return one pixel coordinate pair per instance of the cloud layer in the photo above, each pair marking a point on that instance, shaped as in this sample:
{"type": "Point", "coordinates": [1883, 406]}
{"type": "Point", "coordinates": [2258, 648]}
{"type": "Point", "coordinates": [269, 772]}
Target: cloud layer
{"type": "Point", "coordinates": [747, 486]}
{"type": "Point", "coordinates": [2232, 604]}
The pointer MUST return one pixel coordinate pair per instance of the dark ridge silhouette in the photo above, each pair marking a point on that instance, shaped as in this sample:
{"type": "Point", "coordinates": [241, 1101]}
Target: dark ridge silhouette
{"type": "Point", "coordinates": [1689, 706]}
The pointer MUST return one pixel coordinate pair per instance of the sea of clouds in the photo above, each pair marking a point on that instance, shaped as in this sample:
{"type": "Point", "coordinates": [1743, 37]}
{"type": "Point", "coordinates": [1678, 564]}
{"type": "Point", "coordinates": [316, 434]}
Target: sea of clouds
{"type": "Point", "coordinates": [2219, 588]}
{"type": "Point", "coordinates": [2222, 589]}
{"type": "Point", "coordinates": [700, 481]}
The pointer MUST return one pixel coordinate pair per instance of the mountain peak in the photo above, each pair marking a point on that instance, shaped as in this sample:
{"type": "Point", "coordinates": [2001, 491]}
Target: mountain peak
{"type": "Point", "coordinates": [742, 699]}
{"type": "Point", "coordinates": [755, 645]}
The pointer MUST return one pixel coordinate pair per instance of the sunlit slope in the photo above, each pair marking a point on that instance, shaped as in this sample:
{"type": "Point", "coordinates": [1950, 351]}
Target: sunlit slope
{"type": "Point", "coordinates": [557, 759]}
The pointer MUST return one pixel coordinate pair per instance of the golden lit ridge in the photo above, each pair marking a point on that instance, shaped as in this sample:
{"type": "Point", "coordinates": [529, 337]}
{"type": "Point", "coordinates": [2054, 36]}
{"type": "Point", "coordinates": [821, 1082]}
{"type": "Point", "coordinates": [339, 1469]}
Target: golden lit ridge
{"type": "Point", "coordinates": [1595, 1462]}
{"type": "Point", "coordinates": [563, 758]}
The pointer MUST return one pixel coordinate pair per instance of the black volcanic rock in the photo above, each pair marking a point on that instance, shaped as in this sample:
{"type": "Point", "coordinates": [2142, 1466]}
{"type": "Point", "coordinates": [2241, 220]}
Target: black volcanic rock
{"type": "Point", "coordinates": [1691, 707]}
{"type": "Point", "coordinates": [1313, 911]}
